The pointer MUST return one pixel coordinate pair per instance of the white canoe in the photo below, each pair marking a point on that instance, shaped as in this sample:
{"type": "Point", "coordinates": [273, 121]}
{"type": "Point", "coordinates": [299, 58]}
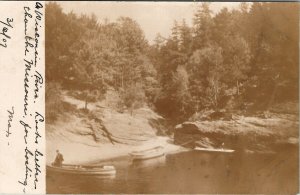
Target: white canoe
{"type": "Point", "coordinates": [83, 170]}
{"type": "Point", "coordinates": [214, 150]}
{"type": "Point", "coordinates": [147, 154]}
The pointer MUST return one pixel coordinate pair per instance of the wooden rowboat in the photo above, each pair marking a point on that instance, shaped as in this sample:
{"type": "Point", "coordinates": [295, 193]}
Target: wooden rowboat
{"type": "Point", "coordinates": [147, 154]}
{"type": "Point", "coordinates": [214, 150]}
{"type": "Point", "coordinates": [83, 170]}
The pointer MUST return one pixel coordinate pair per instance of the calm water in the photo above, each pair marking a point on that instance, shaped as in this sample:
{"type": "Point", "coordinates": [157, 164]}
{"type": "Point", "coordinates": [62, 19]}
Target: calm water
{"type": "Point", "coordinates": [191, 172]}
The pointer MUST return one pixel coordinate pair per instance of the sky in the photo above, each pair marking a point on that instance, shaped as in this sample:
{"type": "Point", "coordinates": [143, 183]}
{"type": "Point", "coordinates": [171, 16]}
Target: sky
{"type": "Point", "coordinates": [153, 17]}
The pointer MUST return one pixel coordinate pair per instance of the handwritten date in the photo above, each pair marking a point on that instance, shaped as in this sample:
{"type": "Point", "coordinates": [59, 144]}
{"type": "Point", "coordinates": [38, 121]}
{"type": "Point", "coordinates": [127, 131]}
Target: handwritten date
{"type": "Point", "coordinates": [4, 33]}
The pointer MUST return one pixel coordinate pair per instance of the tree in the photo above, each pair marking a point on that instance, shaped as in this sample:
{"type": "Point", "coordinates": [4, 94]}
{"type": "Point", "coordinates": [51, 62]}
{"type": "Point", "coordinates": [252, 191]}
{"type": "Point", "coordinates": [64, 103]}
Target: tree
{"type": "Point", "coordinates": [174, 99]}
{"type": "Point", "coordinates": [252, 50]}
{"type": "Point", "coordinates": [180, 85]}
{"type": "Point", "coordinates": [207, 72]}
{"type": "Point", "coordinates": [175, 35]}
{"type": "Point", "coordinates": [159, 41]}
{"type": "Point", "coordinates": [131, 37]}
{"type": "Point", "coordinates": [185, 39]}
{"type": "Point", "coordinates": [222, 27]}
{"type": "Point", "coordinates": [203, 25]}
{"type": "Point", "coordinates": [133, 97]}
{"type": "Point", "coordinates": [238, 58]}
{"type": "Point", "coordinates": [62, 31]}
{"type": "Point", "coordinates": [273, 37]}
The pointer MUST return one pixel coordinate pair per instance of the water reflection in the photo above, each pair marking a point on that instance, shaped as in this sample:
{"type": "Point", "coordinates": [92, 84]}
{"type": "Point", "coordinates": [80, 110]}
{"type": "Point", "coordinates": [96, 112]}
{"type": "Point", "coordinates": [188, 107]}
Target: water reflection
{"type": "Point", "coordinates": [149, 163]}
{"type": "Point", "coordinates": [191, 172]}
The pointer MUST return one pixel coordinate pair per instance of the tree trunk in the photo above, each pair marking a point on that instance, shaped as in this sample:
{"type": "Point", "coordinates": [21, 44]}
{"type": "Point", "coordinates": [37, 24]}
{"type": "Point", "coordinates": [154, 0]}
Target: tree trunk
{"type": "Point", "coordinates": [237, 88]}
{"type": "Point", "coordinates": [272, 97]}
{"type": "Point", "coordinates": [215, 95]}
{"type": "Point", "coordinates": [86, 103]}
{"type": "Point", "coordinates": [216, 101]}
{"type": "Point", "coordinates": [122, 81]}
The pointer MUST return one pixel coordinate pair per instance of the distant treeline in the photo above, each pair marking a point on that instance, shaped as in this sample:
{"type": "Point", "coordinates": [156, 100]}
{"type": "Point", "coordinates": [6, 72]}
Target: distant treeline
{"type": "Point", "coordinates": [236, 59]}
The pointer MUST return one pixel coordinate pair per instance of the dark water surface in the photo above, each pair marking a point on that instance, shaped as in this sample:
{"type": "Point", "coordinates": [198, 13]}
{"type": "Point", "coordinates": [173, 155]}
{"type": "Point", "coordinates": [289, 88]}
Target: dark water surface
{"type": "Point", "coordinates": [191, 172]}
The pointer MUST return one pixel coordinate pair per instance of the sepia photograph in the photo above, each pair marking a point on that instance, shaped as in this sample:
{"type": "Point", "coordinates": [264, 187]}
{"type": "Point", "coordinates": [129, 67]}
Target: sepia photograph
{"type": "Point", "coordinates": [172, 97]}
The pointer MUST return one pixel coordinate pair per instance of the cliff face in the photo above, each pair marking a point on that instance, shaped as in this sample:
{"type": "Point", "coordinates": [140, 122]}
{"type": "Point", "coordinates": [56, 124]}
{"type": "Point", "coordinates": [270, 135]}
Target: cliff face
{"type": "Point", "coordinates": [252, 133]}
{"type": "Point", "coordinates": [99, 132]}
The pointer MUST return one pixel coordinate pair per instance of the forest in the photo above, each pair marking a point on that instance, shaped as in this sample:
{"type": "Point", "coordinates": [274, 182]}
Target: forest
{"type": "Point", "coordinates": [238, 60]}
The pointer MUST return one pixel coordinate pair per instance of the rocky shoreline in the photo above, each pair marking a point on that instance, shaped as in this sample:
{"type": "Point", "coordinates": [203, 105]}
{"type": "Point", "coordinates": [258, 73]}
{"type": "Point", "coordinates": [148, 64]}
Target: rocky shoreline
{"type": "Point", "coordinates": [241, 133]}
{"type": "Point", "coordinates": [103, 133]}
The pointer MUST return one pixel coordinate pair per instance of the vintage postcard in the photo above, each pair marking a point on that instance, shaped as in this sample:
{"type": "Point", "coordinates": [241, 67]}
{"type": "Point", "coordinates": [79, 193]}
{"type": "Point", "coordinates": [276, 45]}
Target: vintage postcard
{"type": "Point", "coordinates": [149, 97]}
{"type": "Point", "coordinates": [22, 97]}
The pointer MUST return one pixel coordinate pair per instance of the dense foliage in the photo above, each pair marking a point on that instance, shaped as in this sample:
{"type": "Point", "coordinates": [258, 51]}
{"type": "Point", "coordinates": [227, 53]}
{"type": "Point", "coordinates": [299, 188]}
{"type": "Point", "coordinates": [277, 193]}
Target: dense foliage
{"type": "Point", "coordinates": [239, 59]}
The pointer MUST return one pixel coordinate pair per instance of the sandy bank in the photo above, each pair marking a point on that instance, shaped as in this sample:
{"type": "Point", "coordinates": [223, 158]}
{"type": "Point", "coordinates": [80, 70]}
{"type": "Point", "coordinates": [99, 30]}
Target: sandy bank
{"type": "Point", "coordinates": [81, 153]}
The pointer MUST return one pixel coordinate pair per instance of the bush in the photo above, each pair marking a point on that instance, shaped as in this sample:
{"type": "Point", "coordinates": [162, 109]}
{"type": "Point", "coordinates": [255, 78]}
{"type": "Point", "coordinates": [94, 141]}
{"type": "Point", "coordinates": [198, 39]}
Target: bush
{"type": "Point", "coordinates": [133, 97]}
{"type": "Point", "coordinates": [53, 100]}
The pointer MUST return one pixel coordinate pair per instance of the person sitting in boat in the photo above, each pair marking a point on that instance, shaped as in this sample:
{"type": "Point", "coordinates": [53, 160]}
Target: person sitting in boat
{"type": "Point", "coordinates": [58, 159]}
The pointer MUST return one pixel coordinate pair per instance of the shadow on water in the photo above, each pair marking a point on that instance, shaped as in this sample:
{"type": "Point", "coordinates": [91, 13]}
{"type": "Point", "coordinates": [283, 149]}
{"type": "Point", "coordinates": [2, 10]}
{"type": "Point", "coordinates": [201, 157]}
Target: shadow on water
{"type": "Point", "coordinates": [192, 172]}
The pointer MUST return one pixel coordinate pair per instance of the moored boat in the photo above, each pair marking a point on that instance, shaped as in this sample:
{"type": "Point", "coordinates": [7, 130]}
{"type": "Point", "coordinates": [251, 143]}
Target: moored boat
{"type": "Point", "coordinates": [83, 170]}
{"type": "Point", "coordinates": [214, 150]}
{"type": "Point", "coordinates": [147, 154]}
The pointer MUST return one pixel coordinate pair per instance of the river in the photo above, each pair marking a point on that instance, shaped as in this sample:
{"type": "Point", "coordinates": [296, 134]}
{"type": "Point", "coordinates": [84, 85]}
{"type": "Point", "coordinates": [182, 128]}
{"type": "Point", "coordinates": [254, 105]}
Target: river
{"type": "Point", "coordinates": [191, 172]}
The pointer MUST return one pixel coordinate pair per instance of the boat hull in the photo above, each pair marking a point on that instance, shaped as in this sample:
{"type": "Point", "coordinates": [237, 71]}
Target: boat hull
{"type": "Point", "coordinates": [84, 171]}
{"type": "Point", "coordinates": [148, 154]}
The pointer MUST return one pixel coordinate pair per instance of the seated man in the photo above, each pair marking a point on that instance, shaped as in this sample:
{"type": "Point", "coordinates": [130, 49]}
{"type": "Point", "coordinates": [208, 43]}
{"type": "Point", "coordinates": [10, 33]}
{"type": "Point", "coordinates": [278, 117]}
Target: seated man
{"type": "Point", "coordinates": [58, 160]}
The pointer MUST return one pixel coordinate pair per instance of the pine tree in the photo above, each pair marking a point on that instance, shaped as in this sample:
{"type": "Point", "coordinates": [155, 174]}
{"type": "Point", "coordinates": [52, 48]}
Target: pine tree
{"type": "Point", "coordinates": [203, 25]}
